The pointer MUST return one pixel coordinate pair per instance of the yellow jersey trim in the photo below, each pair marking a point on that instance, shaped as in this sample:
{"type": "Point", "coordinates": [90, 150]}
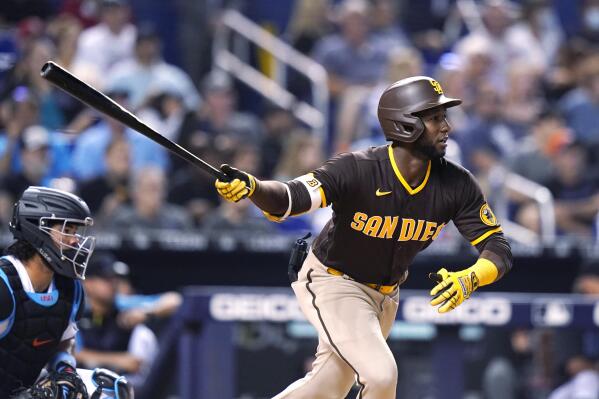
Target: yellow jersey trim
{"type": "Point", "coordinates": [323, 198]}
{"type": "Point", "coordinates": [485, 235]}
{"type": "Point", "coordinates": [273, 218]}
{"type": "Point", "coordinates": [403, 181]}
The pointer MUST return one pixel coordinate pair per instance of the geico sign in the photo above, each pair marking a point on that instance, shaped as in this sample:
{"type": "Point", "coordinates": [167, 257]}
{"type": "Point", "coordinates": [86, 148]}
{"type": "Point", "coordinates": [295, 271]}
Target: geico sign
{"type": "Point", "coordinates": [254, 307]}
{"type": "Point", "coordinates": [491, 311]}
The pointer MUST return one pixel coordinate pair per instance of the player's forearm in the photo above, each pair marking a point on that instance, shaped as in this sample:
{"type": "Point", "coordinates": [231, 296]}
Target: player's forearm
{"type": "Point", "coordinates": [498, 256]}
{"type": "Point", "coordinates": [168, 303]}
{"type": "Point", "coordinates": [271, 196]}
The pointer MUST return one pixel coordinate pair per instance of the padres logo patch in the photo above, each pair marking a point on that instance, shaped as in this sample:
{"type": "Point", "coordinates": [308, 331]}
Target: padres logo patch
{"type": "Point", "coordinates": [437, 86]}
{"type": "Point", "coordinates": [487, 216]}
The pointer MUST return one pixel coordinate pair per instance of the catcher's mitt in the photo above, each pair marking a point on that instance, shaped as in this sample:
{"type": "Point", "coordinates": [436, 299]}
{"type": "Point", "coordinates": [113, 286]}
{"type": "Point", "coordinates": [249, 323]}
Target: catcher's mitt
{"type": "Point", "coordinates": [64, 384]}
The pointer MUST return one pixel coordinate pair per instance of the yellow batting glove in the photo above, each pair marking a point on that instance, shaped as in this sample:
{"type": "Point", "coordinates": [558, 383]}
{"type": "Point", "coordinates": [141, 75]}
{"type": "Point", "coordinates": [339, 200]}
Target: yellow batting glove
{"type": "Point", "coordinates": [453, 288]}
{"type": "Point", "coordinates": [241, 185]}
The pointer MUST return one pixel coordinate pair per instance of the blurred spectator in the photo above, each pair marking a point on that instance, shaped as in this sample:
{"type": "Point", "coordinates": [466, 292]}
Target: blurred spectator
{"type": "Point", "coordinates": [355, 59]}
{"type": "Point", "coordinates": [246, 155]}
{"type": "Point", "coordinates": [576, 192]}
{"type": "Point", "coordinates": [468, 68]}
{"type": "Point", "coordinates": [17, 112]}
{"type": "Point", "coordinates": [590, 21]}
{"type": "Point", "coordinates": [135, 308]}
{"type": "Point", "coordinates": [539, 31]}
{"type": "Point", "coordinates": [149, 209]}
{"type": "Point", "coordinates": [193, 189]}
{"type": "Point", "coordinates": [148, 74]}
{"type": "Point", "coordinates": [218, 114]}
{"type": "Point", "coordinates": [386, 26]}
{"type": "Point", "coordinates": [243, 219]}
{"type": "Point", "coordinates": [581, 105]}
{"type": "Point", "coordinates": [51, 114]}
{"type": "Point", "coordinates": [102, 341]}
{"type": "Point", "coordinates": [488, 138]}
{"type": "Point", "coordinates": [65, 30]}
{"type": "Point", "coordinates": [87, 11]}
{"type": "Point", "coordinates": [583, 380]}
{"type": "Point", "coordinates": [41, 159]}
{"type": "Point", "coordinates": [354, 56]}
{"type": "Point", "coordinates": [19, 41]}
{"type": "Point", "coordinates": [26, 73]}
{"type": "Point", "coordinates": [111, 40]}
{"type": "Point", "coordinates": [302, 154]}
{"type": "Point", "coordinates": [90, 147]}
{"type": "Point", "coordinates": [278, 122]}
{"type": "Point", "coordinates": [497, 16]}
{"type": "Point", "coordinates": [522, 100]}
{"type": "Point", "coordinates": [561, 76]}
{"type": "Point", "coordinates": [309, 22]}
{"type": "Point", "coordinates": [586, 342]}
{"type": "Point", "coordinates": [108, 191]}
{"type": "Point", "coordinates": [426, 32]}
{"type": "Point", "coordinates": [518, 363]}
{"type": "Point", "coordinates": [587, 281]}
{"type": "Point", "coordinates": [164, 111]}
{"type": "Point", "coordinates": [235, 219]}
{"type": "Point", "coordinates": [532, 158]}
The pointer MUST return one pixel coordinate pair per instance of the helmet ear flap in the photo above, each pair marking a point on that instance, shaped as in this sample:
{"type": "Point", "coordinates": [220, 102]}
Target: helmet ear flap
{"type": "Point", "coordinates": [402, 127]}
{"type": "Point", "coordinates": [14, 221]}
{"type": "Point", "coordinates": [418, 127]}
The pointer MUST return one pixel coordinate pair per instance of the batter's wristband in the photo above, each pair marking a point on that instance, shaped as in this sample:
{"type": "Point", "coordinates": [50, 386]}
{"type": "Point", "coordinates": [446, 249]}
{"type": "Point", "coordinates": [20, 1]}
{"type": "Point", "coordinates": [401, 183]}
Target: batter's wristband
{"type": "Point", "coordinates": [485, 270]}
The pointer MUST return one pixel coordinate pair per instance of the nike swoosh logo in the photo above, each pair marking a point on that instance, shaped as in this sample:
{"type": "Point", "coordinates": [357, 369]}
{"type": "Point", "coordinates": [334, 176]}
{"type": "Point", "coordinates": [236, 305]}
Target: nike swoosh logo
{"type": "Point", "coordinates": [39, 342]}
{"type": "Point", "coordinates": [380, 193]}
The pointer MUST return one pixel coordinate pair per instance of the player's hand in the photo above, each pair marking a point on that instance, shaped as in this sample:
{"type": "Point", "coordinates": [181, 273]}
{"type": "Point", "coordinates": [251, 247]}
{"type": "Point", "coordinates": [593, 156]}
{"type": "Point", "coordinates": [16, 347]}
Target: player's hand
{"type": "Point", "coordinates": [240, 185]}
{"type": "Point", "coordinates": [452, 288]}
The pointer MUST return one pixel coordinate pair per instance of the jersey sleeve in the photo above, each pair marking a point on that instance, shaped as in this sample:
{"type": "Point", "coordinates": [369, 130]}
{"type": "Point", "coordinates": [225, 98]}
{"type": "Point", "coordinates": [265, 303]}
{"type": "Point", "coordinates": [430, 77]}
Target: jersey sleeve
{"type": "Point", "coordinates": [337, 176]}
{"type": "Point", "coordinates": [474, 218]}
{"type": "Point", "coordinates": [7, 306]}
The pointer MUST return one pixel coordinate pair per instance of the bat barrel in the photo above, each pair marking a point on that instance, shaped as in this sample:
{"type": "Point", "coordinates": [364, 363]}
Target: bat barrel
{"type": "Point", "coordinates": [66, 81]}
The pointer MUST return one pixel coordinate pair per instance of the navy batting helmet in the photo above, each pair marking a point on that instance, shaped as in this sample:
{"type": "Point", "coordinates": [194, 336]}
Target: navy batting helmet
{"type": "Point", "coordinates": [41, 211]}
{"type": "Point", "coordinates": [405, 98]}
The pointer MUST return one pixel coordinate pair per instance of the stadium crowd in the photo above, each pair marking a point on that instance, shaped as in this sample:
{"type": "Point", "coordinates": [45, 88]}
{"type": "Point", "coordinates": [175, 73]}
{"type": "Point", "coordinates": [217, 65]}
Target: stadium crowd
{"type": "Point", "coordinates": [530, 90]}
{"type": "Point", "coordinates": [529, 80]}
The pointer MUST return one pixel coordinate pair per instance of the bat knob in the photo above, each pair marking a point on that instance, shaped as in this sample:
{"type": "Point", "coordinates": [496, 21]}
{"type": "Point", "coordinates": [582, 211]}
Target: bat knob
{"type": "Point", "coordinates": [436, 277]}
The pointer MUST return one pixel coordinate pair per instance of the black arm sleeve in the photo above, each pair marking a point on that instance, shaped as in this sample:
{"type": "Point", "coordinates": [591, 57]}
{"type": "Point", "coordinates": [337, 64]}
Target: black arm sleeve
{"type": "Point", "coordinates": [498, 245]}
{"type": "Point", "coordinates": [300, 198]}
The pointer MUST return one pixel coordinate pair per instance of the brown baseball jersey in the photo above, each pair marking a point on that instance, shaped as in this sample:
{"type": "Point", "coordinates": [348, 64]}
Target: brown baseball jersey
{"type": "Point", "coordinates": [380, 223]}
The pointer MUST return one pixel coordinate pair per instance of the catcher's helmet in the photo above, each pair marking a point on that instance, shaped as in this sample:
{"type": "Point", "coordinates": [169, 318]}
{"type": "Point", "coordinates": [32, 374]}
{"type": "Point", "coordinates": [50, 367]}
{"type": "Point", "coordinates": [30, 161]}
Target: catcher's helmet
{"type": "Point", "coordinates": [403, 99]}
{"type": "Point", "coordinates": [40, 211]}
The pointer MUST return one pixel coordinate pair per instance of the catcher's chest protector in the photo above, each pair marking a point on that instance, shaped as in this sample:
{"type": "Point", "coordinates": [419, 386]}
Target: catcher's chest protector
{"type": "Point", "coordinates": [35, 333]}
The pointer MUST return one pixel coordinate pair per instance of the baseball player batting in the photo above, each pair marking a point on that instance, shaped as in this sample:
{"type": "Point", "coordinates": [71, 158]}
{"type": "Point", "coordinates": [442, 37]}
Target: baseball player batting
{"type": "Point", "coordinates": [389, 202]}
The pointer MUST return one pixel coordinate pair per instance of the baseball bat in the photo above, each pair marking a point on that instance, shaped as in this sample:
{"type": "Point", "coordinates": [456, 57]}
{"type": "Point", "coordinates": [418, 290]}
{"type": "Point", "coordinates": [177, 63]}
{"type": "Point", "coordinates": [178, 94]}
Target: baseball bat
{"type": "Point", "coordinates": [77, 88]}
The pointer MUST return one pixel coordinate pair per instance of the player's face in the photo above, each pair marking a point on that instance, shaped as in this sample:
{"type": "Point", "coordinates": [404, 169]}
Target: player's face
{"type": "Point", "coordinates": [433, 142]}
{"type": "Point", "coordinates": [66, 238]}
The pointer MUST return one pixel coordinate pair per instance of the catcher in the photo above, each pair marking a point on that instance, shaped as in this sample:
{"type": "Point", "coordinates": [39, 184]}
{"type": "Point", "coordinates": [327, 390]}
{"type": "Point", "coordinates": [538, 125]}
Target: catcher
{"type": "Point", "coordinates": [389, 203]}
{"type": "Point", "coordinates": [41, 295]}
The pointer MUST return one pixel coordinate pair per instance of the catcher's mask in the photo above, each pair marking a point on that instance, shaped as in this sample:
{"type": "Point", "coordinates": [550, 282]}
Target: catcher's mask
{"type": "Point", "coordinates": [55, 223]}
